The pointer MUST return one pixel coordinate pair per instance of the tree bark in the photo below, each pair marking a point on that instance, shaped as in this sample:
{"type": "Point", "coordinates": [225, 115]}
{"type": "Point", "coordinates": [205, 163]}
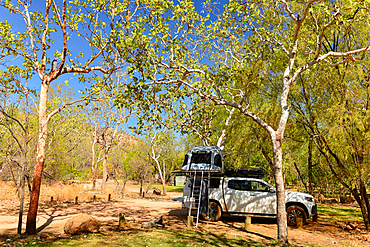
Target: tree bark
{"type": "Point", "coordinates": [164, 178]}
{"type": "Point", "coordinates": [155, 158]}
{"type": "Point", "coordinates": [22, 180]}
{"type": "Point", "coordinates": [93, 177]}
{"type": "Point", "coordinates": [300, 175]}
{"type": "Point", "coordinates": [40, 159]}
{"type": "Point", "coordinates": [280, 189]}
{"type": "Point", "coordinates": [309, 160]}
{"type": "Point", "coordinates": [364, 204]}
{"type": "Point", "coordinates": [222, 138]}
{"type": "Point", "coordinates": [161, 177]}
{"type": "Point", "coordinates": [104, 180]}
{"type": "Point", "coordinates": [93, 166]}
{"type": "Point", "coordinates": [20, 217]}
{"type": "Point", "coordinates": [141, 187]}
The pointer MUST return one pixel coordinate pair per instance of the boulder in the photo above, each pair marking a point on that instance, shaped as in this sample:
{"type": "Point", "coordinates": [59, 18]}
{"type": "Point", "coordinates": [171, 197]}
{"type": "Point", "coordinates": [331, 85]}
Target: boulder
{"type": "Point", "coordinates": [157, 192]}
{"type": "Point", "coordinates": [155, 223]}
{"type": "Point", "coordinates": [319, 197]}
{"type": "Point", "coordinates": [81, 223]}
{"type": "Point", "coordinates": [347, 199]}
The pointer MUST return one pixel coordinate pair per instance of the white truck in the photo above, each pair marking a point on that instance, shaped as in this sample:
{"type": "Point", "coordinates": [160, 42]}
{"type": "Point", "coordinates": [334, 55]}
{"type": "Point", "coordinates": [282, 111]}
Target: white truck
{"type": "Point", "coordinates": [240, 193]}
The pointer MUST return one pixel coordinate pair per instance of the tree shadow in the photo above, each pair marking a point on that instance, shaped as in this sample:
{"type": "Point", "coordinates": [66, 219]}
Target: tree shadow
{"type": "Point", "coordinates": [49, 220]}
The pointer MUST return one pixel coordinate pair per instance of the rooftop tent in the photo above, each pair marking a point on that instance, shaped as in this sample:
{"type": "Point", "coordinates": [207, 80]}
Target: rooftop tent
{"type": "Point", "coordinates": [202, 158]}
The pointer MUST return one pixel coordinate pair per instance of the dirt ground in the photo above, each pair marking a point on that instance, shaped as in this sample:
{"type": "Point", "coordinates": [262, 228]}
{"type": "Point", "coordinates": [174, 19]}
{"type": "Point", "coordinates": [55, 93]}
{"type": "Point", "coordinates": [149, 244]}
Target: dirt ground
{"type": "Point", "coordinates": [52, 217]}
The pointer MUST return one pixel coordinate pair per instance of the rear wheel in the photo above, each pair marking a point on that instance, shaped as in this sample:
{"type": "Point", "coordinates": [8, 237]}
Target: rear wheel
{"type": "Point", "coordinates": [294, 212]}
{"type": "Point", "coordinates": [215, 212]}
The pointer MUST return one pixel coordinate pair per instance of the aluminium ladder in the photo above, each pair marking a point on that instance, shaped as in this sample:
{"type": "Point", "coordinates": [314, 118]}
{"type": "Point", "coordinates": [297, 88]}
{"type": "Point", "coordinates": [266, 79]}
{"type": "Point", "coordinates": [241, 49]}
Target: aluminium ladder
{"type": "Point", "coordinates": [196, 195]}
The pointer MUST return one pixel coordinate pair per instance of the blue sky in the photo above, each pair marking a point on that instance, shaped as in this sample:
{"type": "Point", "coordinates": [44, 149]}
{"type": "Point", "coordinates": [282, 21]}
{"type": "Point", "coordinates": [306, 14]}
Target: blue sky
{"type": "Point", "coordinates": [75, 45]}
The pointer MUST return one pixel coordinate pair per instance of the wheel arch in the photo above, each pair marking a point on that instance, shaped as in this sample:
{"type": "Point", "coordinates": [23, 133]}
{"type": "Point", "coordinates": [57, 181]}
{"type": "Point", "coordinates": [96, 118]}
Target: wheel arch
{"type": "Point", "coordinates": [300, 205]}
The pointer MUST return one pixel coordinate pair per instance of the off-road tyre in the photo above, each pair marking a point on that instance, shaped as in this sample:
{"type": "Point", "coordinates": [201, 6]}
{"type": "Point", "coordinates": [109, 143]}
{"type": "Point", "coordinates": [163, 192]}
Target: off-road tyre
{"type": "Point", "coordinates": [293, 212]}
{"type": "Point", "coordinates": [215, 212]}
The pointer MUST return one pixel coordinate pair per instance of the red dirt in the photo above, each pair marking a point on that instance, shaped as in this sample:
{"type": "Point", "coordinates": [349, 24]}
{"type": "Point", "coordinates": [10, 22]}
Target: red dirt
{"type": "Point", "coordinates": [52, 217]}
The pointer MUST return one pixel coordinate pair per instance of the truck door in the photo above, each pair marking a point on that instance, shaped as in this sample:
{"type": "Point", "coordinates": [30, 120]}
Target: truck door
{"type": "Point", "coordinates": [236, 194]}
{"type": "Point", "coordinates": [249, 196]}
{"type": "Point", "coordinates": [261, 201]}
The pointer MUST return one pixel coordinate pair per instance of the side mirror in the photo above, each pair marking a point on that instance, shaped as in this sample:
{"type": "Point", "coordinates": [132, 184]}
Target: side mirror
{"type": "Point", "coordinates": [272, 190]}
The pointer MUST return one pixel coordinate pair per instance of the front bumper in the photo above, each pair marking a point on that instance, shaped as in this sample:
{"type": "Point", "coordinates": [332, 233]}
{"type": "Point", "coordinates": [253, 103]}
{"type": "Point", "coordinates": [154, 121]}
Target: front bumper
{"type": "Point", "coordinates": [314, 210]}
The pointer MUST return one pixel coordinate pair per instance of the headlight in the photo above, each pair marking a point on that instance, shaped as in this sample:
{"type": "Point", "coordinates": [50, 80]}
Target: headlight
{"type": "Point", "coordinates": [309, 199]}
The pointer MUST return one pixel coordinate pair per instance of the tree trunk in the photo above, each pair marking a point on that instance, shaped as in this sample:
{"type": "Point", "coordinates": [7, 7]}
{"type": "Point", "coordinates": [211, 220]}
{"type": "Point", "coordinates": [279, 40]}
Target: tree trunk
{"type": "Point", "coordinates": [360, 200]}
{"type": "Point", "coordinates": [29, 183]}
{"type": "Point", "coordinates": [19, 231]}
{"type": "Point", "coordinates": [300, 176]}
{"type": "Point", "coordinates": [93, 165]}
{"type": "Point", "coordinates": [141, 187]}
{"type": "Point", "coordinates": [155, 158]}
{"type": "Point", "coordinates": [22, 183]}
{"type": "Point", "coordinates": [40, 159]}
{"type": "Point", "coordinates": [280, 190]}
{"type": "Point", "coordinates": [364, 204]}
{"type": "Point", "coordinates": [164, 178]}
{"type": "Point", "coordinates": [160, 174]}
{"type": "Point", "coordinates": [309, 160]}
{"type": "Point", "coordinates": [222, 138]}
{"type": "Point", "coordinates": [104, 180]}
{"type": "Point", "coordinates": [94, 178]}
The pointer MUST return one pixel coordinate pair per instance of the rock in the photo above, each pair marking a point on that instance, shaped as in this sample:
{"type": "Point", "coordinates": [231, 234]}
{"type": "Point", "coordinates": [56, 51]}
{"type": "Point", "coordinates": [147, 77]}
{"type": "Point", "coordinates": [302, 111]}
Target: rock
{"type": "Point", "coordinates": [351, 226]}
{"type": "Point", "coordinates": [319, 197]}
{"type": "Point", "coordinates": [82, 223]}
{"type": "Point", "coordinates": [155, 223]}
{"type": "Point", "coordinates": [341, 225]}
{"type": "Point", "coordinates": [157, 192]}
{"type": "Point", "coordinates": [346, 199]}
{"type": "Point", "coordinates": [331, 200]}
{"type": "Point", "coordinates": [43, 236]}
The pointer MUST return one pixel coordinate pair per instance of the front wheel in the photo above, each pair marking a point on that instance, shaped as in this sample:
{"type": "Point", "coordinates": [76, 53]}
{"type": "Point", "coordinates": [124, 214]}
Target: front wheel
{"type": "Point", "coordinates": [294, 212]}
{"type": "Point", "coordinates": [215, 212]}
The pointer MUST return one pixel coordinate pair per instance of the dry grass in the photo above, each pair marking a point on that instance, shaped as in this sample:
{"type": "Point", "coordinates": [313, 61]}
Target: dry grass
{"type": "Point", "coordinates": [8, 197]}
{"type": "Point", "coordinates": [64, 192]}
{"type": "Point", "coordinates": [61, 193]}
{"type": "Point", "coordinates": [67, 192]}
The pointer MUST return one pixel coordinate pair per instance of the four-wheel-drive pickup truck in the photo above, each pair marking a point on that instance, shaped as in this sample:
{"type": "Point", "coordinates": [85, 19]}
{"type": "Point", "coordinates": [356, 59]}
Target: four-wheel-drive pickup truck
{"type": "Point", "coordinates": [249, 196]}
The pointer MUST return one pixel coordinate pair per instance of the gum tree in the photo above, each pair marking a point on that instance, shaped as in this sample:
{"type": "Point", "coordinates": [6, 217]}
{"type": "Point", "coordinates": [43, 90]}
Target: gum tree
{"type": "Point", "coordinates": [17, 119]}
{"type": "Point", "coordinates": [46, 46]}
{"type": "Point", "coordinates": [228, 54]}
{"type": "Point", "coordinates": [335, 118]}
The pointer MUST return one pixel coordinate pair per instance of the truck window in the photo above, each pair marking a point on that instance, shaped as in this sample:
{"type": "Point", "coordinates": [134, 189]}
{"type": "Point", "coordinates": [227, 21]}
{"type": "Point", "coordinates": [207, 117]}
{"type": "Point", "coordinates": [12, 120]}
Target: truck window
{"type": "Point", "coordinates": [204, 158]}
{"type": "Point", "coordinates": [239, 185]}
{"type": "Point", "coordinates": [218, 160]}
{"type": "Point", "coordinates": [185, 160]}
{"type": "Point", "coordinates": [215, 183]}
{"type": "Point", "coordinates": [258, 186]}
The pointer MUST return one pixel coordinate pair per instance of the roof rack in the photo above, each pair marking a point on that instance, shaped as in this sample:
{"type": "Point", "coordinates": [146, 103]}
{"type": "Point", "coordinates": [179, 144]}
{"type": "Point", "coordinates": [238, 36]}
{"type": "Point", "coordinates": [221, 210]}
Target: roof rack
{"type": "Point", "coordinates": [233, 172]}
{"type": "Point", "coordinates": [245, 172]}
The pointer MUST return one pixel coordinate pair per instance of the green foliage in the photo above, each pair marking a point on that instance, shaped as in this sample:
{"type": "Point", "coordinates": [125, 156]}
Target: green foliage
{"type": "Point", "coordinates": [69, 135]}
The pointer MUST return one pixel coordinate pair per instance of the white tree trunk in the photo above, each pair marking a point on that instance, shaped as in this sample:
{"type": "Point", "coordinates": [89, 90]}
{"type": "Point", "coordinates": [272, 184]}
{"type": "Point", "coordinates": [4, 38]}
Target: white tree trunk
{"type": "Point", "coordinates": [40, 159]}
{"type": "Point", "coordinates": [280, 189]}
{"type": "Point", "coordinates": [155, 158]}
{"type": "Point", "coordinates": [104, 180]}
{"type": "Point", "coordinates": [93, 165]}
{"type": "Point", "coordinates": [221, 140]}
